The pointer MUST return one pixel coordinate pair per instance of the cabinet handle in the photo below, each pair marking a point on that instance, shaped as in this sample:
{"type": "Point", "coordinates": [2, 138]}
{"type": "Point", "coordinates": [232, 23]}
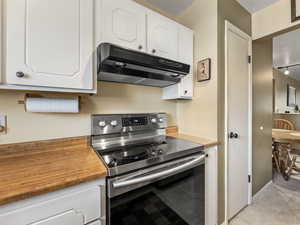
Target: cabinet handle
{"type": "Point", "coordinates": [185, 92]}
{"type": "Point", "coordinates": [140, 47]}
{"type": "Point", "coordinates": [153, 51]}
{"type": "Point", "coordinates": [20, 74]}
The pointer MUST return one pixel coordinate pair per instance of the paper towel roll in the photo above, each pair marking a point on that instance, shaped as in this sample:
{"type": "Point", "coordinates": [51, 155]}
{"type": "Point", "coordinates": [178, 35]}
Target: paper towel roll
{"type": "Point", "coordinates": [52, 105]}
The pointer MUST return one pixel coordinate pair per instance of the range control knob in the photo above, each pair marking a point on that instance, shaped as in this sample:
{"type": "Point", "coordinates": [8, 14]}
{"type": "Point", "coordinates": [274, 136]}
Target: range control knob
{"type": "Point", "coordinates": [114, 123]}
{"type": "Point", "coordinates": [153, 153]}
{"type": "Point", "coordinates": [102, 124]}
{"type": "Point", "coordinates": [161, 120]}
{"type": "Point", "coordinates": [153, 120]}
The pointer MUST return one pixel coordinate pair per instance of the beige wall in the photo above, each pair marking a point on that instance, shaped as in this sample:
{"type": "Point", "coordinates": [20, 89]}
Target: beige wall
{"type": "Point", "coordinates": [275, 18]}
{"type": "Point", "coordinates": [232, 11]}
{"type": "Point", "coordinates": [262, 113]}
{"type": "Point", "coordinates": [199, 117]}
{"type": "Point", "coordinates": [111, 98]}
{"type": "Point", "coordinates": [281, 82]}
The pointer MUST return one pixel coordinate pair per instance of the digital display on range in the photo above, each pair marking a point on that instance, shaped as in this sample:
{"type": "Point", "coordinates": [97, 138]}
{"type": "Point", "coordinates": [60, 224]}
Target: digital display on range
{"type": "Point", "coordinates": [134, 121]}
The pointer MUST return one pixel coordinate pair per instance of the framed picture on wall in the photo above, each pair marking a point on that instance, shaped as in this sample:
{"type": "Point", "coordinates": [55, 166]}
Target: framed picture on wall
{"type": "Point", "coordinates": [295, 6]}
{"type": "Point", "coordinates": [291, 96]}
{"type": "Point", "coordinates": [204, 70]}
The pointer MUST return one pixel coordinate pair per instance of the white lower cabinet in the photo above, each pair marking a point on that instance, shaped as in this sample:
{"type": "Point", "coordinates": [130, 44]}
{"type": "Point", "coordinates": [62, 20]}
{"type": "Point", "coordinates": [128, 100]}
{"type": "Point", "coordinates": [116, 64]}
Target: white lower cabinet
{"type": "Point", "coordinates": [79, 205]}
{"type": "Point", "coordinates": [211, 186]}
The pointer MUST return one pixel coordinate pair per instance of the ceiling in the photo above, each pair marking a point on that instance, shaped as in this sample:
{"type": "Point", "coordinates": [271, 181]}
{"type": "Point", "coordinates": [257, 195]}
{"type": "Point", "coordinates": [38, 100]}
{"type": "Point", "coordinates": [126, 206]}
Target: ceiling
{"type": "Point", "coordinates": [174, 7]}
{"type": "Point", "coordinates": [255, 5]}
{"type": "Point", "coordinates": [286, 51]}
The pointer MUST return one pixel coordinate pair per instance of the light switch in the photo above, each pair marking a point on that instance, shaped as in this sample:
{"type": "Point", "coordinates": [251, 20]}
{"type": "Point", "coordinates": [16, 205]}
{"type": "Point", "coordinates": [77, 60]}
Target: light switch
{"type": "Point", "coordinates": [3, 124]}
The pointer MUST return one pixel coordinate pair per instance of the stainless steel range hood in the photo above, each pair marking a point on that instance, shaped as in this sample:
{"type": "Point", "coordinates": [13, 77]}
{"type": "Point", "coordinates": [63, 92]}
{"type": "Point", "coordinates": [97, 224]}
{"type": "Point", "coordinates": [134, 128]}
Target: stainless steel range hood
{"type": "Point", "coordinates": [122, 65]}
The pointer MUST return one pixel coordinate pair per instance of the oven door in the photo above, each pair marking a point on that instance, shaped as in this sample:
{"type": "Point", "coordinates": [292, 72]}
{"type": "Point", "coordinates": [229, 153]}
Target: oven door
{"type": "Point", "coordinates": [168, 194]}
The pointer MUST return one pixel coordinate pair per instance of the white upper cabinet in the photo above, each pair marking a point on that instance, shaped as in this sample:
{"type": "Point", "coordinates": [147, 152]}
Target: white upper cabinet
{"type": "Point", "coordinates": [50, 43]}
{"type": "Point", "coordinates": [162, 36]}
{"type": "Point", "coordinates": [184, 89]}
{"type": "Point", "coordinates": [186, 49]}
{"type": "Point", "coordinates": [124, 24]}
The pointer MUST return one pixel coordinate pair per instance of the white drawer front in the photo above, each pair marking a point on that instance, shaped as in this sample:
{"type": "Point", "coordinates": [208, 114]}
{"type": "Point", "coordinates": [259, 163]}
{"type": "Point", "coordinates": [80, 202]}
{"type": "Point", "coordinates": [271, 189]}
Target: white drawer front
{"type": "Point", "coordinates": [85, 204]}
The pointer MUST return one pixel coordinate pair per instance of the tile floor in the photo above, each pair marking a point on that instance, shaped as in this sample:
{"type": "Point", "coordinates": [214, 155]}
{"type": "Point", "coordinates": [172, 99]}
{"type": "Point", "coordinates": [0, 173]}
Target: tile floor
{"type": "Point", "coordinates": [274, 205]}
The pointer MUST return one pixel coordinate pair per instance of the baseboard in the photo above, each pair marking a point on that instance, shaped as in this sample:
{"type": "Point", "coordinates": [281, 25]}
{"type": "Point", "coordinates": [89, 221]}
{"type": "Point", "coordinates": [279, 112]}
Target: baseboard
{"type": "Point", "coordinates": [262, 189]}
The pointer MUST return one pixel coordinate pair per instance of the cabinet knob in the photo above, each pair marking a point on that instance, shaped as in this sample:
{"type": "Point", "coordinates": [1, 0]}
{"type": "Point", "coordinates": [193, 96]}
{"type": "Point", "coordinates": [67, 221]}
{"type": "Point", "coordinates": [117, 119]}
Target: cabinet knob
{"type": "Point", "coordinates": [153, 51]}
{"type": "Point", "coordinates": [20, 74]}
{"type": "Point", "coordinates": [140, 47]}
{"type": "Point", "coordinates": [185, 92]}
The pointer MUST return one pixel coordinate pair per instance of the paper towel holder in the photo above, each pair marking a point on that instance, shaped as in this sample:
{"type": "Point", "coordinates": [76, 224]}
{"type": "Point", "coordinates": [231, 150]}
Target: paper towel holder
{"type": "Point", "coordinates": [23, 102]}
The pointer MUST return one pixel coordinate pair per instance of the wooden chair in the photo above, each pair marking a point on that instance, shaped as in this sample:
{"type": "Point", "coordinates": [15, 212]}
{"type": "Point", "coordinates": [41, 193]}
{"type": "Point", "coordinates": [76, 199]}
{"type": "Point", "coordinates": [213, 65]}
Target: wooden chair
{"type": "Point", "coordinates": [283, 124]}
{"type": "Point", "coordinates": [285, 158]}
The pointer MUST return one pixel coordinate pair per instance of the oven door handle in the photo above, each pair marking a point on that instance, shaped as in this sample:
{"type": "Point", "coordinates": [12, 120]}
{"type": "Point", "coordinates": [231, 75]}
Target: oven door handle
{"type": "Point", "coordinates": [183, 167]}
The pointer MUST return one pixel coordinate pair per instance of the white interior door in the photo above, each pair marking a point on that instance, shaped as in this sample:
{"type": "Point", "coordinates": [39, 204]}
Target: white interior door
{"type": "Point", "coordinates": [238, 108]}
{"type": "Point", "coordinates": [50, 43]}
{"type": "Point", "coordinates": [124, 24]}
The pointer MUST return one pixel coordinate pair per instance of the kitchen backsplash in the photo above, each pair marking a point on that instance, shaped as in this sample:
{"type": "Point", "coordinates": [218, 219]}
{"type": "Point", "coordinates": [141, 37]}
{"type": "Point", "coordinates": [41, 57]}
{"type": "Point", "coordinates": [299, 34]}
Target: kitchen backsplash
{"type": "Point", "coordinates": [111, 98]}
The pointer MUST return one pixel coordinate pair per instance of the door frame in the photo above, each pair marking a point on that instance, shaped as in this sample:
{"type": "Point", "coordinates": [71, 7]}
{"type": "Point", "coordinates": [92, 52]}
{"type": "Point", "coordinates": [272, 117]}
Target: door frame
{"type": "Point", "coordinates": [231, 27]}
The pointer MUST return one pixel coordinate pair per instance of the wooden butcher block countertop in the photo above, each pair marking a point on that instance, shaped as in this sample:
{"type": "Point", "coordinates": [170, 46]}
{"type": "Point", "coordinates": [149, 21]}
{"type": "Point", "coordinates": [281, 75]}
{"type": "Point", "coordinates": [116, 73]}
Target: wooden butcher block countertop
{"type": "Point", "coordinates": [173, 132]}
{"type": "Point", "coordinates": [34, 168]}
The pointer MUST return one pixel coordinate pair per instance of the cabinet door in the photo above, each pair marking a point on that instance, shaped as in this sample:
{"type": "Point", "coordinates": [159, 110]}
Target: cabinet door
{"type": "Point", "coordinates": [162, 36]}
{"type": "Point", "coordinates": [67, 218]}
{"type": "Point", "coordinates": [186, 56]}
{"type": "Point", "coordinates": [50, 43]}
{"type": "Point", "coordinates": [184, 89]}
{"type": "Point", "coordinates": [211, 186]}
{"type": "Point", "coordinates": [124, 24]}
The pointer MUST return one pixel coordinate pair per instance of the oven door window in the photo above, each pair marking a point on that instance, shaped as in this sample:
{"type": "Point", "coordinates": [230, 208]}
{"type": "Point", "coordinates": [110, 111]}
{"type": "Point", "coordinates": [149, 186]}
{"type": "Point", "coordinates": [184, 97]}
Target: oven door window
{"type": "Point", "coordinates": [177, 200]}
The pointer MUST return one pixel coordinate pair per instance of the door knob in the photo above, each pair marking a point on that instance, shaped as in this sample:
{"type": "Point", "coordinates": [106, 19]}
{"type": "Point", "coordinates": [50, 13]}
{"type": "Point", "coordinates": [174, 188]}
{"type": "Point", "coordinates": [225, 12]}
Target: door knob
{"type": "Point", "coordinates": [233, 135]}
{"type": "Point", "coordinates": [20, 74]}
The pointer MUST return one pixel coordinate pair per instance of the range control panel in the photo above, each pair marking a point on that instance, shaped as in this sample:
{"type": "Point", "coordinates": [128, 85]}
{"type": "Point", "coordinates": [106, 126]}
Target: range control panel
{"type": "Point", "coordinates": [126, 123]}
{"type": "Point", "coordinates": [135, 121]}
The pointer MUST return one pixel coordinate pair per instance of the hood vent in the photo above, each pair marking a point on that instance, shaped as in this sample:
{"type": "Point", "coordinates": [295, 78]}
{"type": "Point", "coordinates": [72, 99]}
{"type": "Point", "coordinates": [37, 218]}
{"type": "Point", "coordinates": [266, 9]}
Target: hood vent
{"type": "Point", "coordinates": [122, 65]}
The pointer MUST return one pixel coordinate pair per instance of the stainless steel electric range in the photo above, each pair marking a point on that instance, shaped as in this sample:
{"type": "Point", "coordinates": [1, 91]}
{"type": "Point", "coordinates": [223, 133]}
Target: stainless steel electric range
{"type": "Point", "coordinates": [152, 179]}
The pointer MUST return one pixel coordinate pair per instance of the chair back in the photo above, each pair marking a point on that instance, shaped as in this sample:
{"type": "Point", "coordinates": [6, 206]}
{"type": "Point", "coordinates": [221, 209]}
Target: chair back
{"type": "Point", "coordinates": [283, 124]}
